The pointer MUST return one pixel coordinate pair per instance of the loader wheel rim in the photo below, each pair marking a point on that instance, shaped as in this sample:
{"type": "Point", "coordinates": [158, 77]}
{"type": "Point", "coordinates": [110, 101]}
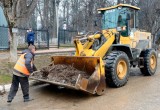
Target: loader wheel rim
{"type": "Point", "coordinates": [121, 69]}
{"type": "Point", "coordinates": [153, 62]}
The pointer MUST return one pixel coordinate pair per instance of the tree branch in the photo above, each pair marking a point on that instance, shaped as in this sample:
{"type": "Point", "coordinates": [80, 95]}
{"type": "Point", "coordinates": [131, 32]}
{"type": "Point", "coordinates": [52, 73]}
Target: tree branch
{"type": "Point", "coordinates": [31, 7]}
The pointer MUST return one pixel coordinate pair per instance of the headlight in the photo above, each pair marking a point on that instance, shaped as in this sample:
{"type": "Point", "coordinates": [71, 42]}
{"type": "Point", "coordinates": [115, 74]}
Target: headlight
{"type": "Point", "coordinates": [124, 28]}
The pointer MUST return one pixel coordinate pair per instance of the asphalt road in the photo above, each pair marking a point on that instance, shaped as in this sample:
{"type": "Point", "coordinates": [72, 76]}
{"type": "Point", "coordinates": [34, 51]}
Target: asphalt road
{"type": "Point", "coordinates": [140, 93]}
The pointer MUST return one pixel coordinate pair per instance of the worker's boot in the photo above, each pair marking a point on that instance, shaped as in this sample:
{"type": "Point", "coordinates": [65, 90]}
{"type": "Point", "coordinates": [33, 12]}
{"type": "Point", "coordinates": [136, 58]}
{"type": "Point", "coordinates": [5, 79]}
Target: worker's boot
{"type": "Point", "coordinates": [9, 100]}
{"type": "Point", "coordinates": [27, 100]}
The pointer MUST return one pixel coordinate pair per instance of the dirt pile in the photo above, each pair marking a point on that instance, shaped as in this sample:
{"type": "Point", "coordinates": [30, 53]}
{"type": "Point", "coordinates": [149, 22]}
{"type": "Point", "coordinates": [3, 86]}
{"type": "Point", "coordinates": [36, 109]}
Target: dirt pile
{"type": "Point", "coordinates": [60, 73]}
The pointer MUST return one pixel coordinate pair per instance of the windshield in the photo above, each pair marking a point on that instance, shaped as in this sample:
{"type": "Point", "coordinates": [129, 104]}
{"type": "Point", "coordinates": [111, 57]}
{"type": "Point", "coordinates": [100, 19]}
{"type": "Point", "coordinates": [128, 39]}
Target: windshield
{"type": "Point", "coordinates": [109, 19]}
{"type": "Point", "coordinates": [114, 18]}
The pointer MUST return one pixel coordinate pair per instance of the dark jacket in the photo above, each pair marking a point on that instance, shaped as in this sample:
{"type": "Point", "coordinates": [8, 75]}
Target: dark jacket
{"type": "Point", "coordinates": [28, 58]}
{"type": "Point", "coordinates": [30, 36]}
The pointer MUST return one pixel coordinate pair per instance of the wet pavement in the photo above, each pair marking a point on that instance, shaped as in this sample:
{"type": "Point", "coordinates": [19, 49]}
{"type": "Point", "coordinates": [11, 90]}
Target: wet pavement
{"type": "Point", "coordinates": [140, 93]}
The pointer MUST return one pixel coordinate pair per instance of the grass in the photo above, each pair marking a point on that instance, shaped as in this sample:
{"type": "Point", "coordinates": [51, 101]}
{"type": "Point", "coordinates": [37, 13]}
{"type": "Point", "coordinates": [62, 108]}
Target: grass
{"type": "Point", "coordinates": [5, 79]}
{"type": "Point", "coordinates": [41, 61]}
{"type": "Point", "coordinates": [6, 67]}
{"type": "Point", "coordinates": [6, 71]}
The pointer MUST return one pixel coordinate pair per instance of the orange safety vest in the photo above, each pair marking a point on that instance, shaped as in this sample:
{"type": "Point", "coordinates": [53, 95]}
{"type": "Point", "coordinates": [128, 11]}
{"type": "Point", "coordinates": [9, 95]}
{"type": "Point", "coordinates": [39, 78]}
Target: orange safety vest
{"type": "Point", "coordinates": [20, 65]}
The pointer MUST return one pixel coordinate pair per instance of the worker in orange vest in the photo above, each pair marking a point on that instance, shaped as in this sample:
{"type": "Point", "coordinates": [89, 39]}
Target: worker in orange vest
{"type": "Point", "coordinates": [22, 70]}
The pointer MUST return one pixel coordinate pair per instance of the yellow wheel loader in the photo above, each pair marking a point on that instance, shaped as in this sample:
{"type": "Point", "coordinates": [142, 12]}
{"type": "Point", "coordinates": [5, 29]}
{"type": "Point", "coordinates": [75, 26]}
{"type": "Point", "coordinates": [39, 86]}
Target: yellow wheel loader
{"type": "Point", "coordinates": [107, 56]}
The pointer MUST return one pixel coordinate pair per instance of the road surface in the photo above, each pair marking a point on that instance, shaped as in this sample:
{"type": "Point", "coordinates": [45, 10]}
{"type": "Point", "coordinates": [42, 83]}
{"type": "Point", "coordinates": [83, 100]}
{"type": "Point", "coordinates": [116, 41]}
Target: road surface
{"type": "Point", "coordinates": [140, 93]}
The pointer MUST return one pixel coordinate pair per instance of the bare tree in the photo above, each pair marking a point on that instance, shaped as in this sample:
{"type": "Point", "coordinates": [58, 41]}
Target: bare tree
{"type": "Point", "coordinates": [132, 2]}
{"type": "Point", "coordinates": [149, 16]}
{"type": "Point", "coordinates": [16, 11]}
{"type": "Point", "coordinates": [81, 14]}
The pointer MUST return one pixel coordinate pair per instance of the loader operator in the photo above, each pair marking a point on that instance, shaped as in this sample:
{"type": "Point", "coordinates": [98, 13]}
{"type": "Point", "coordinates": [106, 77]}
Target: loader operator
{"type": "Point", "coordinates": [122, 23]}
{"type": "Point", "coordinates": [22, 70]}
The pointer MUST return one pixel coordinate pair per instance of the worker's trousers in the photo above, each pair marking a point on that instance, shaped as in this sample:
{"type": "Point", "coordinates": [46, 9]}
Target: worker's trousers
{"type": "Point", "coordinates": [30, 43]}
{"type": "Point", "coordinates": [15, 85]}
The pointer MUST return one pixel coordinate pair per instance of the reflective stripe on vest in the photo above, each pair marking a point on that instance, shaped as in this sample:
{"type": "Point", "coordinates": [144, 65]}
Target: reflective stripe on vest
{"type": "Point", "coordinates": [20, 65]}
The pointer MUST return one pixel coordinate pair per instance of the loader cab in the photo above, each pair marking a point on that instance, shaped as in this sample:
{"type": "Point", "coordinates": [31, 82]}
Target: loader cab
{"type": "Point", "coordinates": [121, 17]}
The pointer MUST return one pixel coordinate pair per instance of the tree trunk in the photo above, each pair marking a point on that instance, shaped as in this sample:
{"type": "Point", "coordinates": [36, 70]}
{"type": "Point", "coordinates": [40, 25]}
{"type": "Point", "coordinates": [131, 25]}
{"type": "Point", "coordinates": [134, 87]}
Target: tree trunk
{"type": "Point", "coordinates": [55, 21]}
{"type": "Point", "coordinates": [13, 47]}
{"type": "Point", "coordinates": [16, 12]}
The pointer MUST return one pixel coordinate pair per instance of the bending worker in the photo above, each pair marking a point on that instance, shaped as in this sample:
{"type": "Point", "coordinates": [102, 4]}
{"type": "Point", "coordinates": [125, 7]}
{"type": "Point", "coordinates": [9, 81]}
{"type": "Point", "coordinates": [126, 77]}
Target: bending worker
{"type": "Point", "coordinates": [22, 70]}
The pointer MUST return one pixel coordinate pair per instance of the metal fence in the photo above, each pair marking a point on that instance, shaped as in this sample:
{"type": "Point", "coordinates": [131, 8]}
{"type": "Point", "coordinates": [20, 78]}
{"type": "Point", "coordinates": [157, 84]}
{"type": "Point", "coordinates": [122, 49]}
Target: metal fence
{"type": "Point", "coordinates": [4, 40]}
{"type": "Point", "coordinates": [66, 37]}
{"type": "Point", "coordinates": [41, 38]}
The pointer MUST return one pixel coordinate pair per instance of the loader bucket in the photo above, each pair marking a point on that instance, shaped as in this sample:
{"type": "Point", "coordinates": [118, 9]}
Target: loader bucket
{"type": "Point", "coordinates": [93, 67]}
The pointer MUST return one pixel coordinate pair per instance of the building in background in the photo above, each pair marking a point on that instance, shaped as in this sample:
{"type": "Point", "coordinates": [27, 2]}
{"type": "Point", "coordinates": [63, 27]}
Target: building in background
{"type": "Point", "coordinates": [4, 42]}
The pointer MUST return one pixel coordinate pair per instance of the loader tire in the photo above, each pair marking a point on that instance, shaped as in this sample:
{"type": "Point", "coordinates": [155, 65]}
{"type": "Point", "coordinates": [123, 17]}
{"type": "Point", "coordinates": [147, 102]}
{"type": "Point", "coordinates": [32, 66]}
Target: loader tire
{"type": "Point", "coordinates": [117, 69]}
{"type": "Point", "coordinates": [150, 62]}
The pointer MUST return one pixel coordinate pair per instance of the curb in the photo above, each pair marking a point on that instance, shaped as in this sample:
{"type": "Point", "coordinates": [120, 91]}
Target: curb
{"type": "Point", "coordinates": [51, 52]}
{"type": "Point", "coordinates": [5, 88]}
{"type": "Point", "coordinates": [40, 53]}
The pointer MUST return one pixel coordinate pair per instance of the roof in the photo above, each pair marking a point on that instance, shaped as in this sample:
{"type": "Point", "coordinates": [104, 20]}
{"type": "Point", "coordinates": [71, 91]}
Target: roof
{"type": "Point", "coordinates": [119, 5]}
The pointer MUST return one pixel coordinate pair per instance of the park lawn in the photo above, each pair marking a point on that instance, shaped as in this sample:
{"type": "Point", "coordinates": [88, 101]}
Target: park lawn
{"type": "Point", "coordinates": [6, 67]}
{"type": "Point", "coordinates": [41, 61]}
{"type": "Point", "coordinates": [5, 79]}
